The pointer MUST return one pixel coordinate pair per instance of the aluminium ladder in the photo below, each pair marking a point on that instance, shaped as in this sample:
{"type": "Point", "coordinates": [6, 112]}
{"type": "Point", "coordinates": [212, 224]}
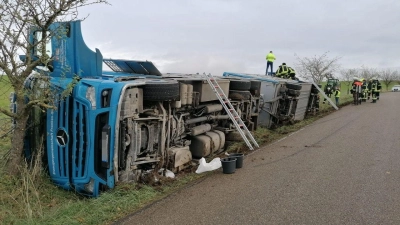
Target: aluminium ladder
{"type": "Point", "coordinates": [230, 110]}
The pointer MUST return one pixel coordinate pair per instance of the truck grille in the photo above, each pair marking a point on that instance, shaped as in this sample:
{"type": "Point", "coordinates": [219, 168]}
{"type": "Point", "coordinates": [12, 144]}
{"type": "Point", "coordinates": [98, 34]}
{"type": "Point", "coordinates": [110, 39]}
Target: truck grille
{"type": "Point", "coordinates": [80, 138]}
{"type": "Point", "coordinates": [63, 122]}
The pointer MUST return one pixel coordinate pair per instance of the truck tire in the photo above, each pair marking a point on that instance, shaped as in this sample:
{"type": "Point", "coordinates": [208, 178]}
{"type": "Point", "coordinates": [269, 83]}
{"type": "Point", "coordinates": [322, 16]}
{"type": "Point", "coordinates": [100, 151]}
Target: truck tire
{"type": "Point", "coordinates": [255, 85]}
{"type": "Point", "coordinates": [239, 95]}
{"type": "Point", "coordinates": [294, 93]}
{"type": "Point", "coordinates": [314, 90]}
{"type": "Point", "coordinates": [233, 136]}
{"type": "Point", "coordinates": [293, 86]}
{"type": "Point", "coordinates": [255, 88]}
{"type": "Point", "coordinates": [239, 85]}
{"type": "Point", "coordinates": [161, 90]}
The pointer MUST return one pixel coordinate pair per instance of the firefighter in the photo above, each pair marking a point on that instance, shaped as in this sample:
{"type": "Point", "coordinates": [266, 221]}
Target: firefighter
{"type": "Point", "coordinates": [375, 90]}
{"type": "Point", "coordinates": [291, 73]}
{"type": "Point", "coordinates": [379, 87]}
{"type": "Point", "coordinates": [369, 86]}
{"type": "Point", "coordinates": [364, 89]}
{"type": "Point", "coordinates": [282, 71]}
{"type": "Point", "coordinates": [356, 91]}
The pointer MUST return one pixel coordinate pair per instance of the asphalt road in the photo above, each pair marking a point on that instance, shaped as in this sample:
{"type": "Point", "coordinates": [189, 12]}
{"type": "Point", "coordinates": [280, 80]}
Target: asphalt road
{"type": "Point", "coordinates": [342, 169]}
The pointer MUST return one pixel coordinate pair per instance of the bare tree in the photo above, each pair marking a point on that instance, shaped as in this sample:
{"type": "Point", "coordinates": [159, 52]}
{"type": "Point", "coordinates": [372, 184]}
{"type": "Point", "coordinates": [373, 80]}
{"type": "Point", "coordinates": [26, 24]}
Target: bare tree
{"type": "Point", "coordinates": [368, 73]}
{"type": "Point", "coordinates": [317, 68]}
{"type": "Point", "coordinates": [388, 76]}
{"type": "Point", "coordinates": [397, 77]}
{"type": "Point", "coordinates": [347, 77]}
{"type": "Point", "coordinates": [17, 17]}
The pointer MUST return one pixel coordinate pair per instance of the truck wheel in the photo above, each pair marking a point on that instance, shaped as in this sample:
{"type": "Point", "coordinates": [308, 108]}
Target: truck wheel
{"type": "Point", "coordinates": [255, 85]}
{"type": "Point", "coordinates": [282, 89]}
{"type": "Point", "coordinates": [239, 95]}
{"type": "Point", "coordinates": [240, 85]}
{"type": "Point", "coordinates": [294, 93]}
{"type": "Point", "coordinates": [233, 136]}
{"type": "Point", "coordinates": [161, 90]}
{"type": "Point", "coordinates": [314, 90]}
{"type": "Point", "coordinates": [293, 86]}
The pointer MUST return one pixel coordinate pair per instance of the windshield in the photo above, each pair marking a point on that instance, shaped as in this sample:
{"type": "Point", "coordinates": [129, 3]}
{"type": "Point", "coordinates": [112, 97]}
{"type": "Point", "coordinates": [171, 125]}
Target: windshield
{"type": "Point", "coordinates": [39, 44]}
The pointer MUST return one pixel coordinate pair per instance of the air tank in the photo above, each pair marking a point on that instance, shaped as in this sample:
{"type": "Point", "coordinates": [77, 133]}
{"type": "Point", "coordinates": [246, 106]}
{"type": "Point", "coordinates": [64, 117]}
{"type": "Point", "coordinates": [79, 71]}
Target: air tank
{"type": "Point", "coordinates": [183, 93]}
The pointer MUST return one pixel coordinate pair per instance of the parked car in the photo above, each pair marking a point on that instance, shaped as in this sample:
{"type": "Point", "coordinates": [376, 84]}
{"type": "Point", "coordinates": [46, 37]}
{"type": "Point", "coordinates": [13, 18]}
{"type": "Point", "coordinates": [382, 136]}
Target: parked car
{"type": "Point", "coordinates": [396, 88]}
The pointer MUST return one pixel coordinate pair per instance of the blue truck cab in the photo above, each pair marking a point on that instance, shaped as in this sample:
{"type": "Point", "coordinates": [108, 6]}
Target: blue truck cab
{"type": "Point", "coordinates": [79, 141]}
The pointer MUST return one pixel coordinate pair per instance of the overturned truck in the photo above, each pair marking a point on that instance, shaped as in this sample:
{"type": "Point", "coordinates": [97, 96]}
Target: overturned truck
{"type": "Point", "coordinates": [120, 125]}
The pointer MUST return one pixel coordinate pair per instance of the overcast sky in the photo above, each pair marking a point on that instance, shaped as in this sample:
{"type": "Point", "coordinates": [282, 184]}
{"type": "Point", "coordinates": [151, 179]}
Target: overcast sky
{"type": "Point", "coordinates": [214, 36]}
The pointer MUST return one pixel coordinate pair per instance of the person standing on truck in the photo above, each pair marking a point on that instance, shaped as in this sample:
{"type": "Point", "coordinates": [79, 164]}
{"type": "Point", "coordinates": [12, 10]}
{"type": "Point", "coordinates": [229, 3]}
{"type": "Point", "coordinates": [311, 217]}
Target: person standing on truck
{"type": "Point", "coordinates": [282, 71]}
{"type": "Point", "coordinates": [270, 62]}
{"type": "Point", "coordinates": [337, 96]}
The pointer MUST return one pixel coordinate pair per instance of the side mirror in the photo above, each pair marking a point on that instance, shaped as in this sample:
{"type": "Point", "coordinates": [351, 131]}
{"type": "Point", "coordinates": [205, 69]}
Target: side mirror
{"type": "Point", "coordinates": [50, 65]}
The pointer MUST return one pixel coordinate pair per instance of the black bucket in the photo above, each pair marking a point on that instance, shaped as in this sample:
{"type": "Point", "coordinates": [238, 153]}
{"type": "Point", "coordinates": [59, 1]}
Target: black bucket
{"type": "Point", "coordinates": [239, 159]}
{"type": "Point", "coordinates": [228, 165]}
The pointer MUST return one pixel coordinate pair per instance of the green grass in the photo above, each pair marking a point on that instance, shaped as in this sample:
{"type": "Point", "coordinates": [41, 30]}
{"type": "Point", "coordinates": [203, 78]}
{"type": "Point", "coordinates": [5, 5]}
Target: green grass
{"type": "Point", "coordinates": [35, 200]}
{"type": "Point", "coordinates": [5, 121]}
{"type": "Point", "coordinates": [5, 90]}
{"type": "Point", "coordinates": [40, 202]}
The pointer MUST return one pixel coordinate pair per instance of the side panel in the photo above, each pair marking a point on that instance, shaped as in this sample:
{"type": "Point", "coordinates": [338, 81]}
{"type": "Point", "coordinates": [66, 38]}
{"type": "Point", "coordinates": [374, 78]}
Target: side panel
{"type": "Point", "coordinates": [269, 93]}
{"type": "Point", "coordinates": [72, 57]}
{"type": "Point", "coordinates": [303, 101]}
{"type": "Point", "coordinates": [206, 93]}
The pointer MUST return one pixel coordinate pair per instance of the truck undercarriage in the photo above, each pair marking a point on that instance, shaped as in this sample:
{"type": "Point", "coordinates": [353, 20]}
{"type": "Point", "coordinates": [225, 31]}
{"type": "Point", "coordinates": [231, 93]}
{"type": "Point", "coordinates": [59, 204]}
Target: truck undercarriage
{"type": "Point", "coordinates": [169, 129]}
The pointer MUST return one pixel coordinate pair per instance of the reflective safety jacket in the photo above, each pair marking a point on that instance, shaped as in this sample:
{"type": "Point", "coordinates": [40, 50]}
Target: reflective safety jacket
{"type": "Point", "coordinates": [282, 71]}
{"type": "Point", "coordinates": [270, 57]}
{"type": "Point", "coordinates": [356, 87]}
{"type": "Point", "coordinates": [365, 86]}
{"type": "Point", "coordinates": [291, 71]}
{"type": "Point", "coordinates": [337, 94]}
{"type": "Point", "coordinates": [374, 87]}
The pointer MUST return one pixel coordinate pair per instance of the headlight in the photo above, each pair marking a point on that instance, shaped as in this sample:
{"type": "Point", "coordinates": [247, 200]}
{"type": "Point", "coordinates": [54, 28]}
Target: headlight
{"type": "Point", "coordinates": [89, 187]}
{"type": "Point", "coordinates": [105, 146]}
{"type": "Point", "coordinates": [91, 96]}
